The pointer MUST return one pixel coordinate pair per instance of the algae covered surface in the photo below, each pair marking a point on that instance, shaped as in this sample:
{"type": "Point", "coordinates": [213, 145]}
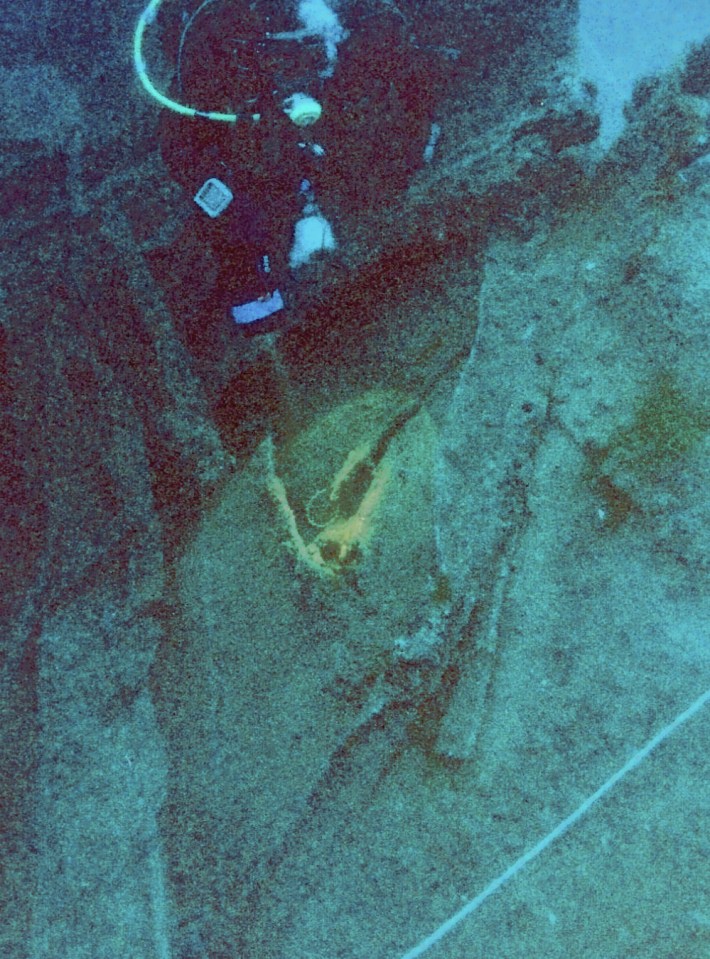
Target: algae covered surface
{"type": "Point", "coordinates": [527, 605]}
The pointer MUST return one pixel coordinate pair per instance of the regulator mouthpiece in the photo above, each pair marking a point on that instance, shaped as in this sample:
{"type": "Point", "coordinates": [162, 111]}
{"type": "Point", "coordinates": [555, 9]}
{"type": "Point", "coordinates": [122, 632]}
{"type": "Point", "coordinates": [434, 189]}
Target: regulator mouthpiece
{"type": "Point", "coordinates": [302, 109]}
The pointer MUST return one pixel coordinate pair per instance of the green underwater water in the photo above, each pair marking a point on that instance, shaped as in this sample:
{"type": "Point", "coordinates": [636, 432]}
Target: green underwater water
{"type": "Point", "coordinates": [315, 635]}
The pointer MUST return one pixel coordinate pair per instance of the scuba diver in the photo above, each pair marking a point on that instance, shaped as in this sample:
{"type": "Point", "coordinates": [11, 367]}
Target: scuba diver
{"type": "Point", "coordinates": [317, 129]}
{"type": "Point", "coordinates": [251, 174]}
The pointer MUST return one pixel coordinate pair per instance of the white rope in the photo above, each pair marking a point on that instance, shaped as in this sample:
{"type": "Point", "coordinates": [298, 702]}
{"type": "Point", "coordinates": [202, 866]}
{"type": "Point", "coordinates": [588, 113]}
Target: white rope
{"type": "Point", "coordinates": [561, 828]}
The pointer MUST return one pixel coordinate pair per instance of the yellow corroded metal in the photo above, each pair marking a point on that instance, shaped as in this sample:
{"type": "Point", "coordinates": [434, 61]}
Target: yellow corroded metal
{"type": "Point", "coordinates": [343, 537]}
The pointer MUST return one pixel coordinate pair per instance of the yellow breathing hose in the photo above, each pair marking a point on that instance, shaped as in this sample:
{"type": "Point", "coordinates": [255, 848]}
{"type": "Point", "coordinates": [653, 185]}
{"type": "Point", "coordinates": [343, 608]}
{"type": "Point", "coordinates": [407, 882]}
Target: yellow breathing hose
{"type": "Point", "coordinates": [146, 18]}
